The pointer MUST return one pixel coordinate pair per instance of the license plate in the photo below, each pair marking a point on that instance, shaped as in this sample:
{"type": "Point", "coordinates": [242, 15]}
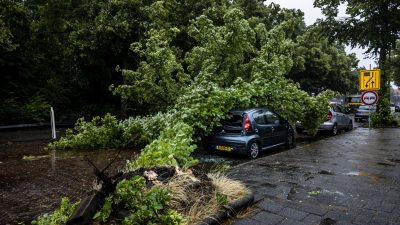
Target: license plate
{"type": "Point", "coordinates": [223, 148]}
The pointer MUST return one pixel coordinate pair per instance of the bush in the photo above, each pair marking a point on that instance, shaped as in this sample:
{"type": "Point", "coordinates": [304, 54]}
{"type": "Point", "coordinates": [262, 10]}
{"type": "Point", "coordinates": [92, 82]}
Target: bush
{"type": "Point", "coordinates": [36, 109]}
{"type": "Point", "coordinates": [59, 216]}
{"type": "Point", "coordinates": [103, 132]}
{"type": "Point", "coordinates": [144, 206]}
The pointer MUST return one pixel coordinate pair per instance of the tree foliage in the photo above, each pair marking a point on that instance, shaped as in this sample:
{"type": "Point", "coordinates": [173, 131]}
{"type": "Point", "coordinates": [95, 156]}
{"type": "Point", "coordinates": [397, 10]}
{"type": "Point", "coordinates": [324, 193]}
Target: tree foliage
{"type": "Point", "coordinates": [373, 25]}
{"type": "Point", "coordinates": [68, 53]}
{"type": "Point", "coordinates": [234, 64]}
{"type": "Point", "coordinates": [321, 65]}
{"type": "Point", "coordinates": [394, 63]}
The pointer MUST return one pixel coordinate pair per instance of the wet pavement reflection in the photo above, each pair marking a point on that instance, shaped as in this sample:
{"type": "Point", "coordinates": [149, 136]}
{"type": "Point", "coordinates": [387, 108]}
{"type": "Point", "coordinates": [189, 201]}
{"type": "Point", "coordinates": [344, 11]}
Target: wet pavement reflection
{"type": "Point", "coordinates": [352, 178]}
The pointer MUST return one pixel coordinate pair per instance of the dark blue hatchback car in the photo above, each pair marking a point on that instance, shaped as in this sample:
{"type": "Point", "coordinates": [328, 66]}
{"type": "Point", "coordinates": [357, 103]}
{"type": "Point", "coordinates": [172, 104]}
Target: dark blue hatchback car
{"type": "Point", "coordinates": [251, 131]}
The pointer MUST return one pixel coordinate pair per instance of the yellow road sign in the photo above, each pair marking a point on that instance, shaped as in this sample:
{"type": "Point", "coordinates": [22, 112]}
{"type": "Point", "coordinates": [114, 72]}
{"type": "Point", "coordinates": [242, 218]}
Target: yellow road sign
{"type": "Point", "coordinates": [370, 80]}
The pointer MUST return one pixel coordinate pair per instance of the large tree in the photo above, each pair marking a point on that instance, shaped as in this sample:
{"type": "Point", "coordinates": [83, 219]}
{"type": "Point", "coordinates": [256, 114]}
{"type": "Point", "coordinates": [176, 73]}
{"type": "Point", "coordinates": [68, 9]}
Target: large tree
{"type": "Point", "coordinates": [320, 65]}
{"type": "Point", "coordinates": [394, 63]}
{"type": "Point", "coordinates": [374, 25]}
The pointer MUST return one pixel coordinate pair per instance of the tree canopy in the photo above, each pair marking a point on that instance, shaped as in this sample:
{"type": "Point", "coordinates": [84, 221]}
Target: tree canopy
{"type": "Point", "coordinates": [67, 54]}
{"type": "Point", "coordinates": [374, 25]}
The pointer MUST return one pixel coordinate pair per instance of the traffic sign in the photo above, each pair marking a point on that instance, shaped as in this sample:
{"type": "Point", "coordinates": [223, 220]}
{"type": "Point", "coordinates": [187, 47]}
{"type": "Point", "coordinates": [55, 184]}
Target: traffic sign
{"type": "Point", "coordinates": [369, 97]}
{"type": "Point", "coordinates": [370, 80]}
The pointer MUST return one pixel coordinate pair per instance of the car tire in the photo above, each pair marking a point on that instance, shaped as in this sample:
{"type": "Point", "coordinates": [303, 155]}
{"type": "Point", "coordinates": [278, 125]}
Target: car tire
{"type": "Point", "coordinates": [290, 140]}
{"type": "Point", "coordinates": [334, 130]}
{"type": "Point", "coordinates": [253, 150]}
{"type": "Point", "coordinates": [349, 127]}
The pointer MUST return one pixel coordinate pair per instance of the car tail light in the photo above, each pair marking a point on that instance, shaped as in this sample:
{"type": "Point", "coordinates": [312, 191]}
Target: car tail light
{"type": "Point", "coordinates": [329, 116]}
{"type": "Point", "coordinates": [247, 124]}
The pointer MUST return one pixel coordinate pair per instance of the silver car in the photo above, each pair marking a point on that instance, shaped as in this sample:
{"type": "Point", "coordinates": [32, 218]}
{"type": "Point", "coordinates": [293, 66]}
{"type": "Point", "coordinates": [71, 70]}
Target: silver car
{"type": "Point", "coordinates": [363, 112]}
{"type": "Point", "coordinates": [337, 118]}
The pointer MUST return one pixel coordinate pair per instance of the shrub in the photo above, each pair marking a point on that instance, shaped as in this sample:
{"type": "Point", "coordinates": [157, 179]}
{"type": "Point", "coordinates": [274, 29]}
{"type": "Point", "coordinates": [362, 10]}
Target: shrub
{"type": "Point", "coordinates": [59, 216]}
{"type": "Point", "coordinates": [144, 206]}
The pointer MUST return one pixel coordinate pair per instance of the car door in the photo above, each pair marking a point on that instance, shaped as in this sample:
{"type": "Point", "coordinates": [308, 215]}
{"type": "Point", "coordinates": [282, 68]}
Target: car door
{"type": "Point", "coordinates": [345, 116]}
{"type": "Point", "coordinates": [338, 115]}
{"type": "Point", "coordinates": [342, 122]}
{"type": "Point", "coordinates": [263, 129]}
{"type": "Point", "coordinates": [279, 131]}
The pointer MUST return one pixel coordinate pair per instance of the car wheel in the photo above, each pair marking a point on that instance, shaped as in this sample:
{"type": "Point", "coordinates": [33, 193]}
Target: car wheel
{"type": "Point", "coordinates": [290, 140]}
{"type": "Point", "coordinates": [350, 126]}
{"type": "Point", "coordinates": [254, 150]}
{"type": "Point", "coordinates": [334, 130]}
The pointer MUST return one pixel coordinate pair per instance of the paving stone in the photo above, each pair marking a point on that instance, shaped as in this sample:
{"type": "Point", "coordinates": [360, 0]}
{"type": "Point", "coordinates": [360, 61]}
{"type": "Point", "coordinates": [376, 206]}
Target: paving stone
{"type": "Point", "coordinates": [373, 204]}
{"type": "Point", "coordinates": [312, 219]}
{"type": "Point", "coordinates": [270, 206]}
{"type": "Point", "coordinates": [378, 220]}
{"type": "Point", "coordinates": [267, 218]}
{"type": "Point", "coordinates": [387, 207]}
{"type": "Point", "coordinates": [288, 221]}
{"type": "Point", "coordinates": [314, 209]}
{"type": "Point", "coordinates": [390, 217]}
{"type": "Point", "coordinates": [246, 221]}
{"type": "Point", "coordinates": [362, 219]}
{"type": "Point", "coordinates": [340, 216]}
{"type": "Point", "coordinates": [293, 213]}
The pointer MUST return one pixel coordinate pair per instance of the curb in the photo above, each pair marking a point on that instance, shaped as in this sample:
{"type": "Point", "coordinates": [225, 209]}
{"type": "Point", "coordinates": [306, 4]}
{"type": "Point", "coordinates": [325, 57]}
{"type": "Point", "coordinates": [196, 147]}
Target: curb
{"type": "Point", "coordinates": [229, 211]}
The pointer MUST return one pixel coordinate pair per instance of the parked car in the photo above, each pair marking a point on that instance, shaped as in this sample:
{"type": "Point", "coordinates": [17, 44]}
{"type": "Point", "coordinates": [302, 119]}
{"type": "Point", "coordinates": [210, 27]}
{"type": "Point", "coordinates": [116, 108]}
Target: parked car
{"type": "Point", "coordinates": [397, 108]}
{"type": "Point", "coordinates": [363, 112]}
{"type": "Point", "coordinates": [392, 108]}
{"type": "Point", "coordinates": [251, 131]}
{"type": "Point", "coordinates": [337, 118]}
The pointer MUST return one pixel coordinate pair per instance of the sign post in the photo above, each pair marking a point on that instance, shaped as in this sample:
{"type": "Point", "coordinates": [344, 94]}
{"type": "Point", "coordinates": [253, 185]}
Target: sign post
{"type": "Point", "coordinates": [369, 98]}
{"type": "Point", "coordinates": [53, 124]}
{"type": "Point", "coordinates": [370, 80]}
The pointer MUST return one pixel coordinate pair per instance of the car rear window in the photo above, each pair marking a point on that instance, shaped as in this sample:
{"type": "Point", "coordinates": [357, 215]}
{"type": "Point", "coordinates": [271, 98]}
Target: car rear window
{"type": "Point", "coordinates": [233, 124]}
{"type": "Point", "coordinates": [233, 121]}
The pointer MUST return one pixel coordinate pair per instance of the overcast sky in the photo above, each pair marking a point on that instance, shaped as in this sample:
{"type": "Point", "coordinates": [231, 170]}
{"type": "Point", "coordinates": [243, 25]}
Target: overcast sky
{"type": "Point", "coordinates": [311, 14]}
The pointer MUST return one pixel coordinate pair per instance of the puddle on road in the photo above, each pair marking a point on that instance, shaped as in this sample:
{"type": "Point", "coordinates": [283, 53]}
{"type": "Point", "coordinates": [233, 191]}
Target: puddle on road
{"type": "Point", "coordinates": [373, 177]}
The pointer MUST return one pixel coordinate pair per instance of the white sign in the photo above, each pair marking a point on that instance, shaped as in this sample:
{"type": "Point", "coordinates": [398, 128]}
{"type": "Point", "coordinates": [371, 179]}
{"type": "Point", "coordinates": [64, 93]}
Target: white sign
{"type": "Point", "coordinates": [369, 97]}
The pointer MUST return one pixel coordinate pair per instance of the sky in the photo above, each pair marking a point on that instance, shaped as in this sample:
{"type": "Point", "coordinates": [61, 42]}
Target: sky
{"type": "Point", "coordinates": [311, 14]}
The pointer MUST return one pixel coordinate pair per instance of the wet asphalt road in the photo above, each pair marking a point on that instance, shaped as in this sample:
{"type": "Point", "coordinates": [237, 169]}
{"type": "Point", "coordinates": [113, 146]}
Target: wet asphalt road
{"type": "Point", "coordinates": [352, 178]}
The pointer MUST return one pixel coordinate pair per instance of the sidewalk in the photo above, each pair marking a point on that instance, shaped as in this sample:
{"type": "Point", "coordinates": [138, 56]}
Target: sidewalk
{"type": "Point", "coordinates": [352, 178]}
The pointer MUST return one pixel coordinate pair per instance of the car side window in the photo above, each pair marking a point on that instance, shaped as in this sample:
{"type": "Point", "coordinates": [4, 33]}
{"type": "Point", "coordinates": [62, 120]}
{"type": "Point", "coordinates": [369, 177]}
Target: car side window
{"type": "Point", "coordinates": [341, 109]}
{"type": "Point", "coordinates": [259, 118]}
{"type": "Point", "coordinates": [272, 118]}
{"type": "Point", "coordinates": [336, 108]}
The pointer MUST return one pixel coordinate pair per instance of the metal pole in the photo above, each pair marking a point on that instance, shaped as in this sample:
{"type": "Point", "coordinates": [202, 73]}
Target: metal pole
{"type": "Point", "coordinates": [369, 117]}
{"type": "Point", "coordinates": [53, 124]}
